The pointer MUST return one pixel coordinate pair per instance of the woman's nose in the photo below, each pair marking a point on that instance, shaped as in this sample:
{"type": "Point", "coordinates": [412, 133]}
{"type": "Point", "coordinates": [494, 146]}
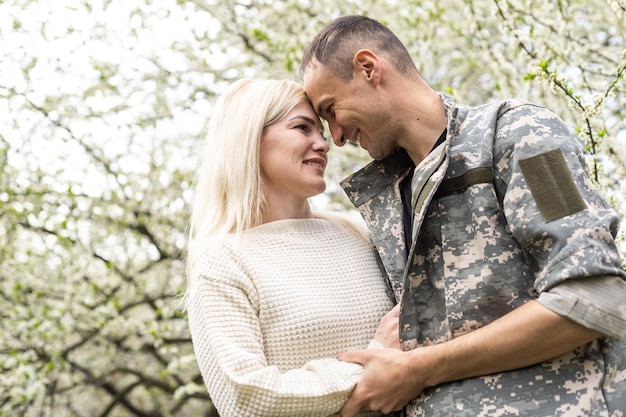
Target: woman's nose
{"type": "Point", "coordinates": [320, 144]}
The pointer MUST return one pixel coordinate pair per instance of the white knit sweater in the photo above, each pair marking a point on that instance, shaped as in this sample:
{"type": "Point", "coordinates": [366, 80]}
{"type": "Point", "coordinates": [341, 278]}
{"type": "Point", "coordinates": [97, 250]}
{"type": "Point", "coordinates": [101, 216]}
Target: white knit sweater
{"type": "Point", "coordinates": [269, 313]}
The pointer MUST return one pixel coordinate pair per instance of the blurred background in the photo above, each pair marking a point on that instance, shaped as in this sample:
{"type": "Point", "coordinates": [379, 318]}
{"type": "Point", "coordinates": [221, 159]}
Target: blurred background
{"type": "Point", "coordinates": [102, 111]}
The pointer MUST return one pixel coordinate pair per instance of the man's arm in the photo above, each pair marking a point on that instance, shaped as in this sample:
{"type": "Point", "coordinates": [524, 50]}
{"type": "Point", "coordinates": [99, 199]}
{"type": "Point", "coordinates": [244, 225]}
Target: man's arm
{"type": "Point", "coordinates": [528, 335]}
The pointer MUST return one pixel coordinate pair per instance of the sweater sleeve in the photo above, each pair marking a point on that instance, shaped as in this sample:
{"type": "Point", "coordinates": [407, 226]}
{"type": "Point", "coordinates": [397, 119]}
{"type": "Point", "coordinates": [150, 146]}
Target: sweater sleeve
{"type": "Point", "coordinates": [228, 342]}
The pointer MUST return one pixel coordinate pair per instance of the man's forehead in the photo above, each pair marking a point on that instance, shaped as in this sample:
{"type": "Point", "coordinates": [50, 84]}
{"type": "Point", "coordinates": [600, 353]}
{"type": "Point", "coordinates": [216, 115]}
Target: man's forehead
{"type": "Point", "coordinates": [309, 76]}
{"type": "Point", "coordinates": [314, 72]}
{"type": "Point", "coordinates": [312, 91]}
{"type": "Point", "coordinates": [316, 82]}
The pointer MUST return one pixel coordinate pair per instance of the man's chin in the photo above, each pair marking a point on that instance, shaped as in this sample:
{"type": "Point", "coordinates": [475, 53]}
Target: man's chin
{"type": "Point", "coordinates": [377, 155]}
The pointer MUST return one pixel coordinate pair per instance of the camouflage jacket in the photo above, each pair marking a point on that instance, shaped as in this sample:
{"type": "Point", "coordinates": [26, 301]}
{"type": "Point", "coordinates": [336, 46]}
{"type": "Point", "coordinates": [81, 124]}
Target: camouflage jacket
{"type": "Point", "coordinates": [503, 212]}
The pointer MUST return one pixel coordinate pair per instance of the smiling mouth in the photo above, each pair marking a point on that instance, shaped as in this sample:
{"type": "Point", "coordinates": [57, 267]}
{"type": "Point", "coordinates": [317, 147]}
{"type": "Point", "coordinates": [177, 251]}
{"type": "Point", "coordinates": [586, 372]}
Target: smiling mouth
{"type": "Point", "coordinates": [356, 140]}
{"type": "Point", "coordinates": [315, 164]}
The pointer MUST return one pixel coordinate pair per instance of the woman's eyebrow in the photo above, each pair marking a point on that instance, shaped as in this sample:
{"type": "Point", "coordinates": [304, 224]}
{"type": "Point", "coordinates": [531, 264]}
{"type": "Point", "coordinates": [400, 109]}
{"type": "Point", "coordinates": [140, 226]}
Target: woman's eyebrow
{"type": "Point", "coordinates": [309, 120]}
{"type": "Point", "coordinates": [305, 118]}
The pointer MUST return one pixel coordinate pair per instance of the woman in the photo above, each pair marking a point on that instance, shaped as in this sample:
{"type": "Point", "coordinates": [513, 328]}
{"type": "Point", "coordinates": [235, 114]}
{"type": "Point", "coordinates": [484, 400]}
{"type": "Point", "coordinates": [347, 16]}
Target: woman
{"type": "Point", "coordinates": [276, 291]}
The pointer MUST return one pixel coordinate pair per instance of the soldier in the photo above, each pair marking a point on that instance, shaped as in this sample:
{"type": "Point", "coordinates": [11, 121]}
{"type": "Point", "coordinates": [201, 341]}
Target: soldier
{"type": "Point", "coordinates": [500, 251]}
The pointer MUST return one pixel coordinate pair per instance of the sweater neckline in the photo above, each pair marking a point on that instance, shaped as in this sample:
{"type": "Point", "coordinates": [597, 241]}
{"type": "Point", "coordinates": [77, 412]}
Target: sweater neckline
{"type": "Point", "coordinates": [290, 225]}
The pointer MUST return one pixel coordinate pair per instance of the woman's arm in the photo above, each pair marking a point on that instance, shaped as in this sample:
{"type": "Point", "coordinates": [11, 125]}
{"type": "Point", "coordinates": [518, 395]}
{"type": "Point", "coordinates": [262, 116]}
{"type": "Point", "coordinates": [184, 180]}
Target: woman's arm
{"type": "Point", "coordinates": [228, 342]}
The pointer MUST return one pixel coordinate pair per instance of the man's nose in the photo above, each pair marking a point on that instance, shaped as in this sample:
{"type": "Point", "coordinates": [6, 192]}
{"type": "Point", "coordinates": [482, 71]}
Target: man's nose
{"type": "Point", "coordinates": [337, 133]}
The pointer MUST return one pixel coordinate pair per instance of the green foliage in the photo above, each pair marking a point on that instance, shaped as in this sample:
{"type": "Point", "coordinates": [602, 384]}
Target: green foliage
{"type": "Point", "coordinates": [104, 104]}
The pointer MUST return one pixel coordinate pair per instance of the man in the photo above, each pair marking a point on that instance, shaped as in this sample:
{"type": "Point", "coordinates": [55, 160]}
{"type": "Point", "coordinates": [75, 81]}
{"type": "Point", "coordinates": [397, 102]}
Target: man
{"type": "Point", "coordinates": [498, 248]}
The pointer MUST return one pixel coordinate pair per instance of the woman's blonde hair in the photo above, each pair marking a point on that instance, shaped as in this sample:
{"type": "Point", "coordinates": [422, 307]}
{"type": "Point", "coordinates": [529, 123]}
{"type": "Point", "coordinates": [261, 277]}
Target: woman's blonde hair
{"type": "Point", "coordinates": [228, 195]}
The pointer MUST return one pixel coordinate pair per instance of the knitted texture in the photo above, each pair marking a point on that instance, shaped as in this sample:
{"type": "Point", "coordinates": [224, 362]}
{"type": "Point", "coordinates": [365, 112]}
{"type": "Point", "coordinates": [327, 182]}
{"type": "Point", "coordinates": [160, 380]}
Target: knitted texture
{"type": "Point", "coordinates": [268, 314]}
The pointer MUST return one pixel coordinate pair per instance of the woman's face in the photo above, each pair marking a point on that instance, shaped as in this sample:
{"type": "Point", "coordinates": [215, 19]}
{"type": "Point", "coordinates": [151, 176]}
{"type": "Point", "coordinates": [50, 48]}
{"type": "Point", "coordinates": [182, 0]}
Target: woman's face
{"type": "Point", "coordinates": [293, 157]}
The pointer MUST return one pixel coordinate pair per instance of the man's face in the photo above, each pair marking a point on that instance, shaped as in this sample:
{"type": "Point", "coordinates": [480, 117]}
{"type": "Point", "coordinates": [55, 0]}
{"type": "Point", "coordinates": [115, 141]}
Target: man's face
{"type": "Point", "coordinates": [353, 109]}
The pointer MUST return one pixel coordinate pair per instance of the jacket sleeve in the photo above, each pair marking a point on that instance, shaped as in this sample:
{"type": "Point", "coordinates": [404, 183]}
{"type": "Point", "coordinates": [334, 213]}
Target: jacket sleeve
{"type": "Point", "coordinates": [564, 226]}
{"type": "Point", "coordinates": [223, 310]}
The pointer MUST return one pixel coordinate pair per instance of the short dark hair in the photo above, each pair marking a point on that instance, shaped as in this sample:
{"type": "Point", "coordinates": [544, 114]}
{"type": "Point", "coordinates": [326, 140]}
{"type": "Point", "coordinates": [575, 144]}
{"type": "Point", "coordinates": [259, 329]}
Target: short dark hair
{"type": "Point", "coordinates": [335, 46]}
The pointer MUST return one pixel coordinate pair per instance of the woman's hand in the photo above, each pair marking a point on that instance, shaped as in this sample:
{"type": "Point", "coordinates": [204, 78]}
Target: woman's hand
{"type": "Point", "coordinates": [387, 333]}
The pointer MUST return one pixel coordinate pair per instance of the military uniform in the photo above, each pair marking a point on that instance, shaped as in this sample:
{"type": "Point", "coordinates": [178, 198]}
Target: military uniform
{"type": "Point", "coordinates": [503, 212]}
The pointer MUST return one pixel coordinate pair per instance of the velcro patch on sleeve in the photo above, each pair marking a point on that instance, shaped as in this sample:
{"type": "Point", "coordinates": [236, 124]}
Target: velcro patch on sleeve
{"type": "Point", "coordinates": [552, 185]}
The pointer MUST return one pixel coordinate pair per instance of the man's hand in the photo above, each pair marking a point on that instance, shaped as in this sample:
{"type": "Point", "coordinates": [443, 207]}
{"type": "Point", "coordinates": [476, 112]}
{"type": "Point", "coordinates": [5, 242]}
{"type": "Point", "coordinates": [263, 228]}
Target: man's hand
{"type": "Point", "coordinates": [387, 333]}
{"type": "Point", "coordinates": [528, 335]}
{"type": "Point", "coordinates": [385, 385]}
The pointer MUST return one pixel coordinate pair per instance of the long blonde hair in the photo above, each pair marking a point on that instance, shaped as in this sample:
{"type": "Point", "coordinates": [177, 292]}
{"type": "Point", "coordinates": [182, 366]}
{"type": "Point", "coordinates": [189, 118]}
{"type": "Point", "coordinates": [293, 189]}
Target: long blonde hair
{"type": "Point", "coordinates": [229, 196]}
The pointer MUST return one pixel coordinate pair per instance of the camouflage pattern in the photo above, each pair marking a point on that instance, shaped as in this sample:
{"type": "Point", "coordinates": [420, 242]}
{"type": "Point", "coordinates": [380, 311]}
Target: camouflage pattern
{"type": "Point", "coordinates": [483, 248]}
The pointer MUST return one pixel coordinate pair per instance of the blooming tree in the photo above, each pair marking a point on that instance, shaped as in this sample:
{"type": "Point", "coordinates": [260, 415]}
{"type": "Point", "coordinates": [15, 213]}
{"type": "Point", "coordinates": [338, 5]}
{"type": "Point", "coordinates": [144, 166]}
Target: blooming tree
{"type": "Point", "coordinates": [102, 106]}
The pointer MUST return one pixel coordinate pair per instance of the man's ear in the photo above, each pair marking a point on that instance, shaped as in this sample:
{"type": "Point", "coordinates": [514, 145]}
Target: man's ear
{"type": "Point", "coordinates": [366, 63]}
